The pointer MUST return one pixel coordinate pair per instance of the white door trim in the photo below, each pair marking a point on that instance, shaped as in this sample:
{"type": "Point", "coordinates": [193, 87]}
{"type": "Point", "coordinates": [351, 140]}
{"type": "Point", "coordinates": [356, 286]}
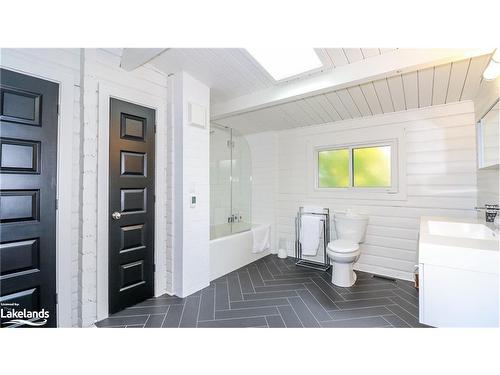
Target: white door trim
{"type": "Point", "coordinates": [28, 65]}
{"type": "Point", "coordinates": [107, 91]}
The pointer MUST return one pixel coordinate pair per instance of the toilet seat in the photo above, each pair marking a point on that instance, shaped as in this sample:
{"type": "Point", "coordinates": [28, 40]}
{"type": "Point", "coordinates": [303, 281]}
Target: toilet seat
{"type": "Point", "coordinates": [343, 246]}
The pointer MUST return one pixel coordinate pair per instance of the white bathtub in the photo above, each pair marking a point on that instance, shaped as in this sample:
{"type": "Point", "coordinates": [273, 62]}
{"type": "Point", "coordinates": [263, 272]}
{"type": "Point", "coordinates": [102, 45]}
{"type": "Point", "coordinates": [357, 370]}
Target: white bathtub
{"type": "Point", "coordinates": [232, 252]}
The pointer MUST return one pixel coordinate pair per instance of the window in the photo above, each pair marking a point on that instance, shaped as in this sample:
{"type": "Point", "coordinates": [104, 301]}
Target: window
{"type": "Point", "coordinates": [357, 166]}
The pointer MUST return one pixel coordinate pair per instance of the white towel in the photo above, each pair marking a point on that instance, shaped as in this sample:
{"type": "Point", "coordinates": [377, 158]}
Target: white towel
{"type": "Point", "coordinates": [312, 209]}
{"type": "Point", "coordinates": [261, 238]}
{"type": "Point", "coordinates": [310, 232]}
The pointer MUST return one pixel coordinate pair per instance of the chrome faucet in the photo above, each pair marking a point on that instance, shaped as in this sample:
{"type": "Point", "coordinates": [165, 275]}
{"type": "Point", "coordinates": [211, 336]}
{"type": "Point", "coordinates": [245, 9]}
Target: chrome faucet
{"type": "Point", "coordinates": [491, 211]}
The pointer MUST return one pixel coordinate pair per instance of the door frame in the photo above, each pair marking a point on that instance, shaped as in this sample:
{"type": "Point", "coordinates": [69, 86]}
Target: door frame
{"type": "Point", "coordinates": [106, 91]}
{"type": "Point", "coordinates": [64, 77]}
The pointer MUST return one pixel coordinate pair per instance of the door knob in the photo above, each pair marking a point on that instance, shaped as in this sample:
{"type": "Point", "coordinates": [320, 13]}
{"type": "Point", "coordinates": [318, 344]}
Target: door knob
{"type": "Point", "coordinates": [116, 215]}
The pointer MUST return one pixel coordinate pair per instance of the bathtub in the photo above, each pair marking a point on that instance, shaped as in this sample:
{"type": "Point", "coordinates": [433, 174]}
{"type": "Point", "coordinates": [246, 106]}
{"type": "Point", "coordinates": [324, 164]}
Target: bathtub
{"type": "Point", "coordinates": [232, 251]}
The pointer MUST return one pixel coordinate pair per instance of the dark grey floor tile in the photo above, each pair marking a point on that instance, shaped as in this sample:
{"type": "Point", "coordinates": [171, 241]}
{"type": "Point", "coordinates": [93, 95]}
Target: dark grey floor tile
{"type": "Point", "coordinates": [306, 317]}
{"type": "Point", "coordinates": [160, 302]}
{"type": "Point", "coordinates": [155, 321]}
{"type": "Point", "coordinates": [288, 281]}
{"type": "Point", "coordinates": [275, 321]}
{"type": "Point", "coordinates": [374, 281]}
{"type": "Point", "coordinates": [285, 293]}
{"type": "Point", "coordinates": [322, 297]}
{"type": "Point", "coordinates": [233, 283]}
{"type": "Point", "coordinates": [363, 303]}
{"type": "Point", "coordinates": [246, 284]}
{"type": "Point", "coordinates": [264, 271]}
{"type": "Point", "coordinates": [407, 296]}
{"type": "Point", "coordinates": [122, 321]}
{"type": "Point", "coordinates": [359, 313]}
{"type": "Point", "coordinates": [314, 306]}
{"type": "Point", "coordinates": [173, 317]}
{"type": "Point", "coordinates": [376, 321]}
{"type": "Point", "coordinates": [255, 276]}
{"type": "Point", "coordinates": [259, 303]}
{"type": "Point", "coordinates": [273, 292]}
{"type": "Point", "coordinates": [368, 295]}
{"type": "Point", "coordinates": [328, 289]}
{"type": "Point", "coordinates": [412, 309]}
{"type": "Point", "coordinates": [246, 313]}
{"type": "Point", "coordinates": [235, 323]}
{"type": "Point", "coordinates": [221, 296]}
{"type": "Point", "coordinates": [189, 316]}
{"type": "Point", "coordinates": [369, 288]}
{"type": "Point", "coordinates": [396, 321]}
{"type": "Point", "coordinates": [296, 275]}
{"type": "Point", "coordinates": [222, 279]}
{"type": "Point", "coordinates": [289, 317]}
{"type": "Point", "coordinates": [277, 288]}
{"type": "Point", "coordinates": [405, 315]}
{"type": "Point", "coordinates": [131, 311]}
{"type": "Point", "coordinates": [408, 288]}
{"type": "Point", "coordinates": [272, 268]}
{"type": "Point", "coordinates": [207, 304]}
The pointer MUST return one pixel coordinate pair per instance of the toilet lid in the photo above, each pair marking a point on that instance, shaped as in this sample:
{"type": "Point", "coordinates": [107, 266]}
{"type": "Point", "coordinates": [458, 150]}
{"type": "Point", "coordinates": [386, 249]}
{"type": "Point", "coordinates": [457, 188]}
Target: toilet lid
{"type": "Point", "coordinates": [343, 246]}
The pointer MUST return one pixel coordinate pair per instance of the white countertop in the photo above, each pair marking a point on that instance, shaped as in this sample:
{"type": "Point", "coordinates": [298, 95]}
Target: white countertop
{"type": "Point", "coordinates": [464, 243]}
{"type": "Point", "coordinates": [458, 239]}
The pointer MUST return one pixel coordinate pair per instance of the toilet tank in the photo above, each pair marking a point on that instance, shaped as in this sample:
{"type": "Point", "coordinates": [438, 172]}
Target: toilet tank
{"type": "Point", "coordinates": [350, 227]}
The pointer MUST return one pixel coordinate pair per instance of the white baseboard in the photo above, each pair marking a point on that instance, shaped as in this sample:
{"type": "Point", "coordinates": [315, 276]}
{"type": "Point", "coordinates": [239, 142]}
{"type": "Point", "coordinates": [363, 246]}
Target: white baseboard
{"type": "Point", "coordinates": [402, 275]}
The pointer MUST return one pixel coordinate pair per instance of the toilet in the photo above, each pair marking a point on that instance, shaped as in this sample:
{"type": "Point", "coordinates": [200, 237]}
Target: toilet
{"type": "Point", "coordinates": [344, 251]}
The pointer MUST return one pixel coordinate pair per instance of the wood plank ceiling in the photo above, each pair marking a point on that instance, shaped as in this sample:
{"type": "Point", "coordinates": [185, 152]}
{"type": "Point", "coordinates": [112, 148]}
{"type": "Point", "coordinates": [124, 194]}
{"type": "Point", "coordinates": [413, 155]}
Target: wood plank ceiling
{"type": "Point", "coordinates": [231, 72]}
{"type": "Point", "coordinates": [442, 84]}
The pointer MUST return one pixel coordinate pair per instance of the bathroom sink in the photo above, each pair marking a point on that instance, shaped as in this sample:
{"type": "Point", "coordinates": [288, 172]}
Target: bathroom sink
{"type": "Point", "coordinates": [458, 272]}
{"type": "Point", "coordinates": [466, 243]}
{"type": "Point", "coordinates": [473, 231]}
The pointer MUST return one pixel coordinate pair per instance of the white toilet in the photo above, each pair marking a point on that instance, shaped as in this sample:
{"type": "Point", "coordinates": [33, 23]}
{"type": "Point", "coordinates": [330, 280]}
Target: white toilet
{"type": "Point", "coordinates": [344, 251]}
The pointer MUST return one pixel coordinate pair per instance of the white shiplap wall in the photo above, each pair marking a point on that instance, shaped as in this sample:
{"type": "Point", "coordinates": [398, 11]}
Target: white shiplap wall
{"type": "Point", "coordinates": [440, 181]}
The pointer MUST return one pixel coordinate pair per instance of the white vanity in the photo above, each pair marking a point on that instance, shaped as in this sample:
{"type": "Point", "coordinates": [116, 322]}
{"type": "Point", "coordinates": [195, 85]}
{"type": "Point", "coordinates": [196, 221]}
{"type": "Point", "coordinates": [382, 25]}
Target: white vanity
{"type": "Point", "coordinates": [458, 271]}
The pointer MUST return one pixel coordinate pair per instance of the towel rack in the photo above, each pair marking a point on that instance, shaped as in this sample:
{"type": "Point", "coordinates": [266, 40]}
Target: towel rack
{"type": "Point", "coordinates": [325, 219]}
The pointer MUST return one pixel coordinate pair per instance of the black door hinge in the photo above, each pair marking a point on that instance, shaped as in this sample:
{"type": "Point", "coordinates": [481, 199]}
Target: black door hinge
{"type": "Point", "coordinates": [57, 298]}
{"type": "Point", "coordinates": [57, 204]}
{"type": "Point", "coordinates": [58, 109]}
{"type": "Point", "coordinates": [154, 267]}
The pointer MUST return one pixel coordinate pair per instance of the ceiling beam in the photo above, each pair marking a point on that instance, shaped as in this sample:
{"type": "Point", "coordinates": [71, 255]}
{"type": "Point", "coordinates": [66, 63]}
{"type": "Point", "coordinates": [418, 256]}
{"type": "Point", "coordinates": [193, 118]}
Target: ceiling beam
{"type": "Point", "coordinates": [388, 64]}
{"type": "Point", "coordinates": [133, 58]}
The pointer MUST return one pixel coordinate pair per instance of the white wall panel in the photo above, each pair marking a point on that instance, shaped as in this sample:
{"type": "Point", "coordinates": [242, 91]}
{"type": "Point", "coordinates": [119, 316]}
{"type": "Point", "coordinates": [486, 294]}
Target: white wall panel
{"type": "Point", "coordinates": [440, 181]}
{"type": "Point", "coordinates": [371, 97]}
{"type": "Point", "coordinates": [425, 85]}
{"type": "Point", "coordinates": [384, 96]}
{"type": "Point", "coordinates": [360, 101]}
{"type": "Point", "coordinates": [397, 92]}
{"type": "Point", "coordinates": [457, 80]}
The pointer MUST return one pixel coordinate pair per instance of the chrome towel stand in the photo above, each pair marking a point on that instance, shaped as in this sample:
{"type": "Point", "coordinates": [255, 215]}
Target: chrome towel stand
{"type": "Point", "coordinates": [324, 266]}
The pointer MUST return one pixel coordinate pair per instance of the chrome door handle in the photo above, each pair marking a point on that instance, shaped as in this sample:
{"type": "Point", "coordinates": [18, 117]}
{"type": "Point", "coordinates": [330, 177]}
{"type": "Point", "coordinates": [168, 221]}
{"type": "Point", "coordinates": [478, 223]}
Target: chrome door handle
{"type": "Point", "coordinates": [116, 215]}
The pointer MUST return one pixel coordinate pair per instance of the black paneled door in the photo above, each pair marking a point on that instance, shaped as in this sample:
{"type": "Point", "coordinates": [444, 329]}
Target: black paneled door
{"type": "Point", "coordinates": [131, 204]}
{"type": "Point", "coordinates": [28, 161]}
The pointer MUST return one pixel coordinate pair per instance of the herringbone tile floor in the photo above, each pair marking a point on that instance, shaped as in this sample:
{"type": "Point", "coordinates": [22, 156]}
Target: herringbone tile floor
{"type": "Point", "coordinates": [272, 292]}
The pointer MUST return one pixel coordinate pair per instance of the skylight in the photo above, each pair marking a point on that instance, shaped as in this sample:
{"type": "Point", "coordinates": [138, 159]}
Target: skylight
{"type": "Point", "coordinates": [283, 63]}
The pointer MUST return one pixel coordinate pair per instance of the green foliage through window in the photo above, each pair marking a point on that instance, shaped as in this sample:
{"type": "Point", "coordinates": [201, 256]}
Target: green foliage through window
{"type": "Point", "coordinates": [333, 168]}
{"type": "Point", "coordinates": [371, 167]}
